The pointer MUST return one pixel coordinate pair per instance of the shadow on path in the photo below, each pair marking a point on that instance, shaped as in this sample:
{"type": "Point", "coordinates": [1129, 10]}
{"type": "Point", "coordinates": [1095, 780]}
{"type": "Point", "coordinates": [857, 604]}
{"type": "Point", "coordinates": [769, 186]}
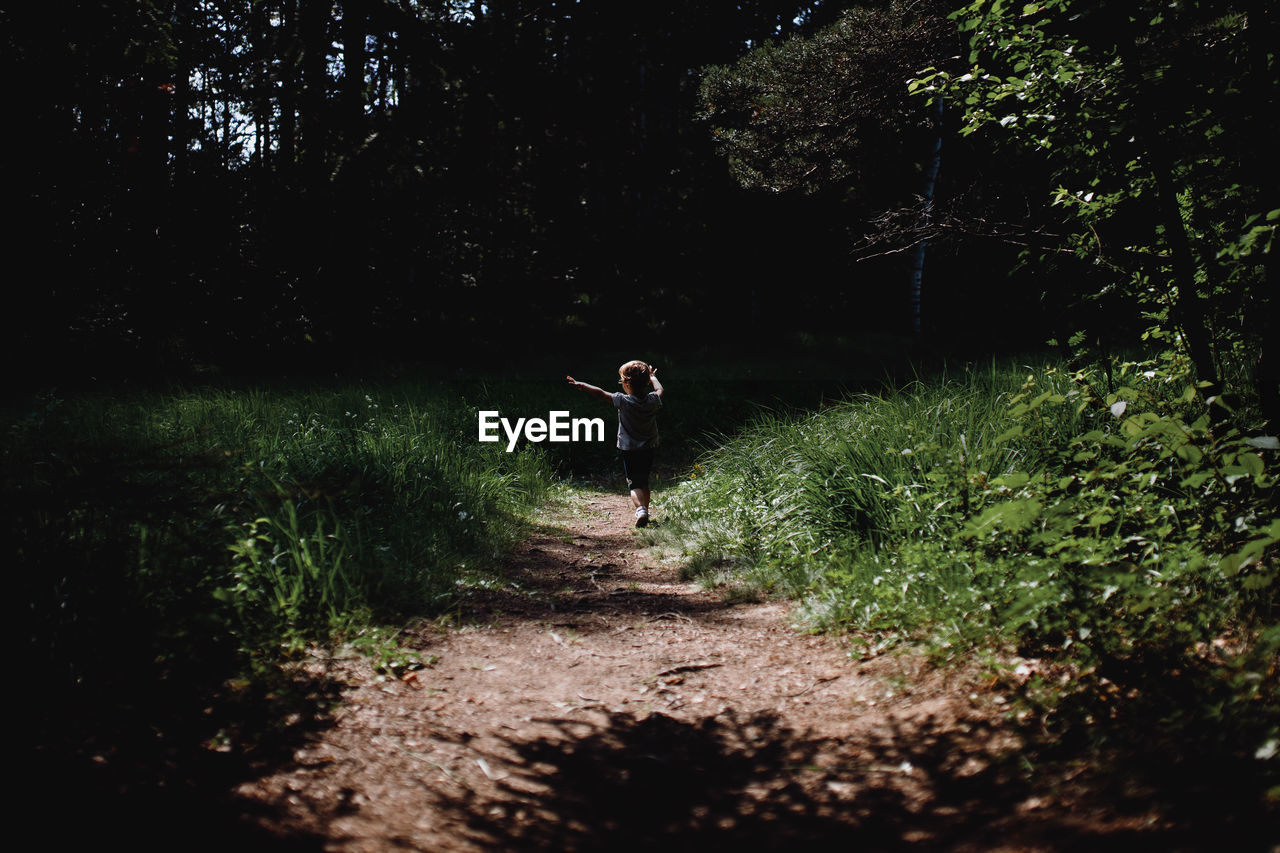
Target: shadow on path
{"type": "Point", "coordinates": [485, 757]}
{"type": "Point", "coordinates": [658, 783]}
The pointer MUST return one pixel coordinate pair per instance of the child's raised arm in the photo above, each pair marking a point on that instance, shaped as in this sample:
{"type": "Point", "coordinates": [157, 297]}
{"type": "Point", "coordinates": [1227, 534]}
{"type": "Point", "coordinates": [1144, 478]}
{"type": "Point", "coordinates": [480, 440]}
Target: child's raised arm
{"type": "Point", "coordinates": [591, 389]}
{"type": "Point", "coordinates": [653, 380]}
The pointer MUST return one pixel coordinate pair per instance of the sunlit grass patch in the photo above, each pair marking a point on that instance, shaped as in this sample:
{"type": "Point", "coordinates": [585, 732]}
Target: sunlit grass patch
{"type": "Point", "coordinates": [230, 528]}
{"type": "Point", "coordinates": [1006, 502]}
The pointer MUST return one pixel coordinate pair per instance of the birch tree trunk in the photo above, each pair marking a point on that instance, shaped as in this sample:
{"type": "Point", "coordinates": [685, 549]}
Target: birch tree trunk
{"type": "Point", "coordinates": [917, 257]}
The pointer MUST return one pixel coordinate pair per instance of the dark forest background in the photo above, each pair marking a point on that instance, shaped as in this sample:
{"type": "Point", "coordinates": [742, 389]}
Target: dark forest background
{"type": "Point", "coordinates": [247, 239]}
{"type": "Point", "coordinates": [286, 186]}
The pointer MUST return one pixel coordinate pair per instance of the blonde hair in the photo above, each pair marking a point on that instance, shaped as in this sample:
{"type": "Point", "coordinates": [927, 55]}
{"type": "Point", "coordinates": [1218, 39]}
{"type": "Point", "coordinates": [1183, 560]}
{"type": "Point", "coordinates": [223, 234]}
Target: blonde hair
{"type": "Point", "coordinates": [636, 373]}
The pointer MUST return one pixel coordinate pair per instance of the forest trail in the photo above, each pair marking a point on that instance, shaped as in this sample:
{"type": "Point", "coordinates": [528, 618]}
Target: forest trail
{"type": "Point", "coordinates": [599, 702]}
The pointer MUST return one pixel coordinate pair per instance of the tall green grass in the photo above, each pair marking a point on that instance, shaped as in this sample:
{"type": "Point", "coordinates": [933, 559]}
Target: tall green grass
{"type": "Point", "coordinates": [226, 528]}
{"type": "Point", "coordinates": [242, 524]}
{"type": "Point", "coordinates": [1107, 525]}
{"type": "Point", "coordinates": [820, 505]}
{"type": "Point", "coordinates": [1029, 505]}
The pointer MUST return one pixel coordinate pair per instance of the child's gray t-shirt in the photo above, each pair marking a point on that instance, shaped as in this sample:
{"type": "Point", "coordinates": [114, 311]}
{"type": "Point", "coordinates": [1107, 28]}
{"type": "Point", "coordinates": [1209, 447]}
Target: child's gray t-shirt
{"type": "Point", "coordinates": [637, 419]}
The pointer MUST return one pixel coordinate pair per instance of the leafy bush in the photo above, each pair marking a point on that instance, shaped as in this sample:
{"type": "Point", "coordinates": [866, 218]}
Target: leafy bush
{"type": "Point", "coordinates": [1122, 531]}
{"type": "Point", "coordinates": [1150, 528]}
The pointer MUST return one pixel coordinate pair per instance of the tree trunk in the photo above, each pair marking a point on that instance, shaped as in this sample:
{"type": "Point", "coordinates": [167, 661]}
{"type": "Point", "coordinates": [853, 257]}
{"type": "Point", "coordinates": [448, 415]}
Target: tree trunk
{"type": "Point", "coordinates": [917, 258]}
{"type": "Point", "coordinates": [1260, 36]}
{"type": "Point", "coordinates": [287, 50]}
{"type": "Point", "coordinates": [262, 49]}
{"type": "Point", "coordinates": [313, 24]}
{"type": "Point", "coordinates": [180, 141]}
{"type": "Point", "coordinates": [353, 54]}
{"type": "Point", "coordinates": [1188, 315]}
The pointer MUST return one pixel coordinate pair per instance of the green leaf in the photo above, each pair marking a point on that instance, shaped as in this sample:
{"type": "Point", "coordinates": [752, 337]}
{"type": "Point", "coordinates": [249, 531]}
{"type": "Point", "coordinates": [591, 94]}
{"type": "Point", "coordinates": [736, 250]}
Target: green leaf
{"type": "Point", "coordinates": [1196, 480]}
{"type": "Point", "coordinates": [1016, 480]}
{"type": "Point", "coordinates": [1252, 463]}
{"type": "Point", "coordinates": [1011, 515]}
{"type": "Point", "coordinates": [1015, 432]}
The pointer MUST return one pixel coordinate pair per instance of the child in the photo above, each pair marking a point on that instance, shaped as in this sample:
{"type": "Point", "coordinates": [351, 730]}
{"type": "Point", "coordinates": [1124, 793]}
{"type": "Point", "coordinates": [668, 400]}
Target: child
{"type": "Point", "coordinates": [637, 407]}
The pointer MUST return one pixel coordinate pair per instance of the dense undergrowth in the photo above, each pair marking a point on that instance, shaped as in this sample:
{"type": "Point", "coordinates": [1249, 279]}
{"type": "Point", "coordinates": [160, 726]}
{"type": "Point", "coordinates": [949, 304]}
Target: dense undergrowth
{"type": "Point", "coordinates": [174, 552]}
{"type": "Point", "coordinates": [1102, 524]}
{"type": "Point", "coordinates": [177, 548]}
{"type": "Point", "coordinates": [171, 551]}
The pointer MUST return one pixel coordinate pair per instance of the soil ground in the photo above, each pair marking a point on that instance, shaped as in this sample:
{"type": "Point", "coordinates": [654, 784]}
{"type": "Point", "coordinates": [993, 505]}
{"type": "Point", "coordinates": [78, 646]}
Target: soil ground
{"type": "Point", "coordinates": [597, 701]}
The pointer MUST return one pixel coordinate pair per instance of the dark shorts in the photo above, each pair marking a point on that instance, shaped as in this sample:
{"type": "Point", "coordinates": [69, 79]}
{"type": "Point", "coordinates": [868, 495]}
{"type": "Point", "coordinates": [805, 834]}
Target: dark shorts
{"type": "Point", "coordinates": [636, 465]}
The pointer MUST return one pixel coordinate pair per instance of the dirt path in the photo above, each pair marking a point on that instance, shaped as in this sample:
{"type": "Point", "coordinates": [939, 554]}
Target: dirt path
{"type": "Point", "coordinates": [599, 702]}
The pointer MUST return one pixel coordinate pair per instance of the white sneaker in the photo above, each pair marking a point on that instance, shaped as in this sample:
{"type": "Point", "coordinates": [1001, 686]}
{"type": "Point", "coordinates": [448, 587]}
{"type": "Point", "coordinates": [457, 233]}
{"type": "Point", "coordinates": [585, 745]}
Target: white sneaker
{"type": "Point", "coordinates": [642, 516]}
